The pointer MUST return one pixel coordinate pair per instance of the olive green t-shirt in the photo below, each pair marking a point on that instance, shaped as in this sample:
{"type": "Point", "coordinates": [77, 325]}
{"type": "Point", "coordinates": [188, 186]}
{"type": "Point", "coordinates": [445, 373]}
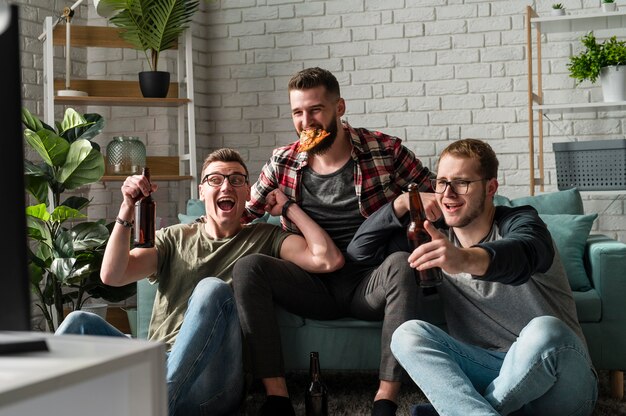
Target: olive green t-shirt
{"type": "Point", "coordinates": [187, 254]}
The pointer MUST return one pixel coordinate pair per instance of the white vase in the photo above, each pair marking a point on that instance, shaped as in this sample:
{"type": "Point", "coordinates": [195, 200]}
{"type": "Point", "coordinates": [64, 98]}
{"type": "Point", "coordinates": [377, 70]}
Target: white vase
{"type": "Point", "coordinates": [613, 81]}
{"type": "Point", "coordinates": [557, 12]}
{"type": "Point", "coordinates": [609, 7]}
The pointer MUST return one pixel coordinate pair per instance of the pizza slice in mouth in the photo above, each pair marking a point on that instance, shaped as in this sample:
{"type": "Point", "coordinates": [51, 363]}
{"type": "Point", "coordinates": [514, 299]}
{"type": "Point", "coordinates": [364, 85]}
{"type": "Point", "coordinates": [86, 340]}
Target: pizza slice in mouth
{"type": "Point", "coordinates": [311, 138]}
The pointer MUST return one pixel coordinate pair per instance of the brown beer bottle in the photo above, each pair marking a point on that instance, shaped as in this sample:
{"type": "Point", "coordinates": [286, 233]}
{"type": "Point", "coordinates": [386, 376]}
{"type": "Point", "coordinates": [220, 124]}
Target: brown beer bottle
{"type": "Point", "coordinates": [145, 218]}
{"type": "Point", "coordinates": [417, 235]}
{"type": "Point", "coordinates": [316, 397]}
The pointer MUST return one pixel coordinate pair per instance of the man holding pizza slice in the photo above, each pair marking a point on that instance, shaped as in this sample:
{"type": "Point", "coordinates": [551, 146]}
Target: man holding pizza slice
{"type": "Point", "coordinates": [339, 175]}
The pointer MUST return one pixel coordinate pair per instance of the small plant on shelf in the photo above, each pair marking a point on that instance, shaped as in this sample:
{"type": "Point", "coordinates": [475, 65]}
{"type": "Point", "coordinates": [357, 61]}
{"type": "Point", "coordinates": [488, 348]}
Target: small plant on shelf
{"type": "Point", "coordinates": [557, 9]}
{"type": "Point", "coordinates": [588, 64]}
{"type": "Point", "coordinates": [609, 5]}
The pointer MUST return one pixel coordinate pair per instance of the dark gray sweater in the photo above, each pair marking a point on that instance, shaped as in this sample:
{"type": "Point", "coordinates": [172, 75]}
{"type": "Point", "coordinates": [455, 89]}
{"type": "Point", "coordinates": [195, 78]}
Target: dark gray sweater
{"type": "Point", "coordinates": [525, 278]}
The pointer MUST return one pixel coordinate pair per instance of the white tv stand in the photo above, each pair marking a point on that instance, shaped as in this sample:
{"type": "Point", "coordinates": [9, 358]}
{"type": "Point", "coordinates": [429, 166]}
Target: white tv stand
{"type": "Point", "coordinates": [84, 375]}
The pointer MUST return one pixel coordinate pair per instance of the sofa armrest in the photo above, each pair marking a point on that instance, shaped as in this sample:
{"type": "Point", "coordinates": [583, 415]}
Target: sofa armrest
{"type": "Point", "coordinates": [605, 260]}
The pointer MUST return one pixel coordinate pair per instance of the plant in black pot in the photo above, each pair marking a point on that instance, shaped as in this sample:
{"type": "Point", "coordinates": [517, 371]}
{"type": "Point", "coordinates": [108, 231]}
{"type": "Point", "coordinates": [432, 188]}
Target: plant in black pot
{"type": "Point", "coordinates": [65, 250]}
{"type": "Point", "coordinates": [152, 26]}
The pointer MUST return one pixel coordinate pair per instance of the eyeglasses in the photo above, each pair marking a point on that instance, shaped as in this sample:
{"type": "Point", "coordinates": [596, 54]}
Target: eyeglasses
{"type": "Point", "coordinates": [458, 186]}
{"type": "Point", "coordinates": [217, 179]}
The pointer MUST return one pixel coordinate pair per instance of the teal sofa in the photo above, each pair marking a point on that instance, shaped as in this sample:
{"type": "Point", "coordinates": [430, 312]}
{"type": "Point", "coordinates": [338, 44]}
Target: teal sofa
{"type": "Point", "coordinates": [596, 267]}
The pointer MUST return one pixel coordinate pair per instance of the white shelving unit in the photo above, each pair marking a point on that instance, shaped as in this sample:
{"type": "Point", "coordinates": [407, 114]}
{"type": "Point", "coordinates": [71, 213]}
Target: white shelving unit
{"type": "Point", "coordinates": [127, 93]}
{"type": "Point", "coordinates": [558, 24]}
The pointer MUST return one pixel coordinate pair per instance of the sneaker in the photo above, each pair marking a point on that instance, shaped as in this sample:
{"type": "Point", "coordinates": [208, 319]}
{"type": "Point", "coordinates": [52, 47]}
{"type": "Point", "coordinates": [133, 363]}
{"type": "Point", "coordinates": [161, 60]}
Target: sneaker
{"type": "Point", "coordinates": [384, 407]}
{"type": "Point", "coordinates": [277, 406]}
{"type": "Point", "coordinates": [423, 410]}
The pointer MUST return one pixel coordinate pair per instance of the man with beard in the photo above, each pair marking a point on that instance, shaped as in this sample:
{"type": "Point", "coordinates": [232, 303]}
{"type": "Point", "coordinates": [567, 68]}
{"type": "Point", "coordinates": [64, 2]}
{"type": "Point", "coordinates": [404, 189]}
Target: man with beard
{"type": "Point", "coordinates": [194, 312]}
{"type": "Point", "coordinates": [345, 178]}
{"type": "Point", "coordinates": [514, 344]}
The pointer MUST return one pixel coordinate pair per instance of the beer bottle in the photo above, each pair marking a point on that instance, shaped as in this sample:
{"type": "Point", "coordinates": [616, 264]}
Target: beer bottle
{"type": "Point", "coordinates": [145, 218]}
{"type": "Point", "coordinates": [417, 235]}
{"type": "Point", "coordinates": [316, 398]}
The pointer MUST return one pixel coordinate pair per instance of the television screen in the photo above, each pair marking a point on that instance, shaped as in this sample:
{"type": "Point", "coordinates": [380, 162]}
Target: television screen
{"type": "Point", "coordinates": [14, 283]}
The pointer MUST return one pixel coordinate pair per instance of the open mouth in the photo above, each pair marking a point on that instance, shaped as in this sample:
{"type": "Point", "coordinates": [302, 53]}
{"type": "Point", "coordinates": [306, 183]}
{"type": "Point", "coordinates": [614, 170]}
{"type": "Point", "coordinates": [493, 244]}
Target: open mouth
{"type": "Point", "coordinates": [226, 204]}
{"type": "Point", "coordinates": [452, 207]}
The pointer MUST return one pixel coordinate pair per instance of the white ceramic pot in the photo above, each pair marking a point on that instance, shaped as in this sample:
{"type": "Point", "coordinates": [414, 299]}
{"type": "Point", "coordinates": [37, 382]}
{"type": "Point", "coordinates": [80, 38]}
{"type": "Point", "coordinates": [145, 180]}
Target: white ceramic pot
{"type": "Point", "coordinates": [557, 12]}
{"type": "Point", "coordinates": [103, 9]}
{"type": "Point", "coordinates": [609, 7]}
{"type": "Point", "coordinates": [613, 81]}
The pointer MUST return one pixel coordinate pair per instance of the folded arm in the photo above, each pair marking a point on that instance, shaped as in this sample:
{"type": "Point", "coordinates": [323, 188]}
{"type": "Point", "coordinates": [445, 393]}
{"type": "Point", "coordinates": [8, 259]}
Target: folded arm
{"type": "Point", "coordinates": [314, 250]}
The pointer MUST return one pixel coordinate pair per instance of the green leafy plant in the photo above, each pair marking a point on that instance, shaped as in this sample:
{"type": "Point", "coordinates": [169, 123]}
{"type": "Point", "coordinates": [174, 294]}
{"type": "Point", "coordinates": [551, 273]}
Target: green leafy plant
{"type": "Point", "coordinates": [608, 1]}
{"type": "Point", "coordinates": [65, 251]}
{"type": "Point", "coordinates": [152, 26]}
{"type": "Point", "coordinates": [557, 6]}
{"type": "Point", "coordinates": [588, 63]}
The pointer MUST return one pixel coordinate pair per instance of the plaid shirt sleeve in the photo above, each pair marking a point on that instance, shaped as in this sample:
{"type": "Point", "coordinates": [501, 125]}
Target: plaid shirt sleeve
{"type": "Point", "coordinates": [387, 168]}
{"type": "Point", "coordinates": [279, 172]}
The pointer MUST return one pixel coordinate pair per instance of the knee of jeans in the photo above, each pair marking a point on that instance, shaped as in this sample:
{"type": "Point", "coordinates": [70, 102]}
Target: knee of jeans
{"type": "Point", "coordinates": [547, 331]}
{"type": "Point", "coordinates": [212, 290]}
{"type": "Point", "coordinates": [75, 321]}
{"type": "Point", "coordinates": [408, 336]}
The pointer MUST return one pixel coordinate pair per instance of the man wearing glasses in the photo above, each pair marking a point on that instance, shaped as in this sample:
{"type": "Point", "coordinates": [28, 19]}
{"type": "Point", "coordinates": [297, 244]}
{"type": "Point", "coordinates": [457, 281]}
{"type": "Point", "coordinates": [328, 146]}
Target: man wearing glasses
{"type": "Point", "coordinates": [194, 311]}
{"type": "Point", "coordinates": [514, 344]}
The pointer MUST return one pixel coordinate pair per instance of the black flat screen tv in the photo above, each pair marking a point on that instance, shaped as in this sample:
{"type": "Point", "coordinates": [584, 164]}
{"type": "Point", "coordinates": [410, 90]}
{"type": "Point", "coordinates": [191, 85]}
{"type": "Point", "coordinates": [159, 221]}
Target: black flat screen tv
{"type": "Point", "coordinates": [15, 305]}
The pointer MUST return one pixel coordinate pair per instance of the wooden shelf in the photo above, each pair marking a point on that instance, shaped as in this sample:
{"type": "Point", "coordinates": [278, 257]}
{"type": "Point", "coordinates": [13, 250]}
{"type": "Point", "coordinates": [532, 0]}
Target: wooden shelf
{"type": "Point", "coordinates": [93, 36]}
{"type": "Point", "coordinates": [112, 92]}
{"type": "Point", "coordinates": [122, 101]}
{"type": "Point", "coordinates": [162, 168]}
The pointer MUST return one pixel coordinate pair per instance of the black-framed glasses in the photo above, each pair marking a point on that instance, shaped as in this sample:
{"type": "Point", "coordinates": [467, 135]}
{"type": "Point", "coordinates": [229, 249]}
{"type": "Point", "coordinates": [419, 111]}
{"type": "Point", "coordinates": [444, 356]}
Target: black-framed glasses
{"type": "Point", "coordinates": [458, 186]}
{"type": "Point", "coordinates": [217, 179]}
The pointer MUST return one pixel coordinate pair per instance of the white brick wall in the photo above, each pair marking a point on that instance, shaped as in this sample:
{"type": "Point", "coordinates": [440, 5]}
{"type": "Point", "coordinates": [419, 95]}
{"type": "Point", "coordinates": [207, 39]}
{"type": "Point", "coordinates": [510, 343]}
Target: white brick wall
{"type": "Point", "coordinates": [429, 71]}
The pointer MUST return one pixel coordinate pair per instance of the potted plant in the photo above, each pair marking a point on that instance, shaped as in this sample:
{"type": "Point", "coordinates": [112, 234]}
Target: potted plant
{"type": "Point", "coordinates": [604, 60]}
{"type": "Point", "coordinates": [65, 252]}
{"type": "Point", "coordinates": [609, 6]}
{"type": "Point", "coordinates": [558, 9]}
{"type": "Point", "coordinates": [151, 26]}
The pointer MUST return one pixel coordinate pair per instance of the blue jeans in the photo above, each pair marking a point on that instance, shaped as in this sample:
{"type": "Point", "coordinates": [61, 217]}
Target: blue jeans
{"type": "Point", "coordinates": [547, 371]}
{"type": "Point", "coordinates": [204, 367]}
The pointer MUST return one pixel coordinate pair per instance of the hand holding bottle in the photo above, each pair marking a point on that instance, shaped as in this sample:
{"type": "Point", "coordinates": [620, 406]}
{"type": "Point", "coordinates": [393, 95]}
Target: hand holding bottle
{"type": "Point", "coordinates": [145, 215]}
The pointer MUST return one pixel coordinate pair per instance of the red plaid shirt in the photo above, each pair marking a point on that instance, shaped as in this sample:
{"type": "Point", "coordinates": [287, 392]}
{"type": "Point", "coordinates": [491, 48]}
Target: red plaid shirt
{"type": "Point", "coordinates": [383, 169]}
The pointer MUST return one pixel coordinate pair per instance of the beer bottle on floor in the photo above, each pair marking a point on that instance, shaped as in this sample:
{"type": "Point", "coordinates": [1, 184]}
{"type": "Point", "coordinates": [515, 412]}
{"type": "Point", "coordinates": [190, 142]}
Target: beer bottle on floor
{"type": "Point", "coordinates": [417, 235]}
{"type": "Point", "coordinates": [316, 398]}
{"type": "Point", "coordinates": [145, 218]}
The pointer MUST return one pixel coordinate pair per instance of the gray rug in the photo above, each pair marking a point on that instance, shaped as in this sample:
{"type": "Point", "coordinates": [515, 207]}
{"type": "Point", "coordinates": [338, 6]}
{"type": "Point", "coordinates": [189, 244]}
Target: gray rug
{"type": "Point", "coordinates": [351, 394]}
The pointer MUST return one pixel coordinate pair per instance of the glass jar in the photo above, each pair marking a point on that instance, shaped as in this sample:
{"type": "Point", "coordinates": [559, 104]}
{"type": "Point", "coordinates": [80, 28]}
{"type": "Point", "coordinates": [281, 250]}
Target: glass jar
{"type": "Point", "coordinates": [126, 155]}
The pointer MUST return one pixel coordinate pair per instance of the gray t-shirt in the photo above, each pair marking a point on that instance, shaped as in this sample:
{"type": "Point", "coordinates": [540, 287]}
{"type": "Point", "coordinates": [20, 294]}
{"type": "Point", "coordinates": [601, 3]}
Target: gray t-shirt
{"type": "Point", "coordinates": [492, 314]}
{"type": "Point", "coordinates": [331, 201]}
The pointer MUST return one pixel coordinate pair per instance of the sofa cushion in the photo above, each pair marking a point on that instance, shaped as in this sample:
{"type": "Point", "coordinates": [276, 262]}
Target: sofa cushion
{"type": "Point", "coordinates": [195, 209]}
{"type": "Point", "coordinates": [570, 233]}
{"type": "Point", "coordinates": [561, 202]}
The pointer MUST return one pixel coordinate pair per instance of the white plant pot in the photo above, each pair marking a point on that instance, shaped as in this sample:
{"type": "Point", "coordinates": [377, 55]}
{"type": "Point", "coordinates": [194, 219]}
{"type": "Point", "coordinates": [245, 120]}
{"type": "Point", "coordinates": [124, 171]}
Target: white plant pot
{"type": "Point", "coordinates": [557, 12]}
{"type": "Point", "coordinates": [613, 81]}
{"type": "Point", "coordinates": [609, 7]}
